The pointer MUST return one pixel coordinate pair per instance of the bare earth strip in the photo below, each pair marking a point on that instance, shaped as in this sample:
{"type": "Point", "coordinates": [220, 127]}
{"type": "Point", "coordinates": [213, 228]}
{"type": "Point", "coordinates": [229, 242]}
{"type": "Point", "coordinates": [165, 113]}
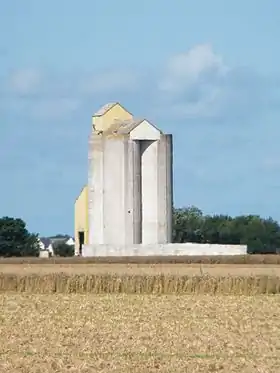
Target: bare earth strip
{"type": "Point", "coordinates": [143, 269]}
{"type": "Point", "coordinates": [121, 333]}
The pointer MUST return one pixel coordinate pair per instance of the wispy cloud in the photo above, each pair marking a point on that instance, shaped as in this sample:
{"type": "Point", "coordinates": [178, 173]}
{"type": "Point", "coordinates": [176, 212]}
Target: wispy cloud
{"type": "Point", "coordinates": [197, 84]}
{"type": "Point", "coordinates": [199, 65]}
{"type": "Point", "coordinates": [24, 81]}
{"type": "Point", "coordinates": [200, 84]}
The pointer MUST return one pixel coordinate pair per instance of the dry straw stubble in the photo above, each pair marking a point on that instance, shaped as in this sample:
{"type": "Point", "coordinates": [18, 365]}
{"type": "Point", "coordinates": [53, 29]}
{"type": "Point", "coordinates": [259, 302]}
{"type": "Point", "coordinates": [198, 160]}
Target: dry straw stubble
{"type": "Point", "coordinates": [139, 284]}
{"type": "Point", "coordinates": [216, 259]}
{"type": "Point", "coordinates": [85, 333]}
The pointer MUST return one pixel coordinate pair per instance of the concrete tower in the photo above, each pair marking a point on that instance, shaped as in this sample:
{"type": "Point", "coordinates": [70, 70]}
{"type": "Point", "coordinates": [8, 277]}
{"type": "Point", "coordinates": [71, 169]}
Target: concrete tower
{"type": "Point", "coordinates": [130, 193]}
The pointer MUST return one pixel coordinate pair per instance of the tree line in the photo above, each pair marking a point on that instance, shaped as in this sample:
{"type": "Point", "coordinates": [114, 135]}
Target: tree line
{"type": "Point", "coordinates": [17, 241]}
{"type": "Point", "coordinates": [262, 236]}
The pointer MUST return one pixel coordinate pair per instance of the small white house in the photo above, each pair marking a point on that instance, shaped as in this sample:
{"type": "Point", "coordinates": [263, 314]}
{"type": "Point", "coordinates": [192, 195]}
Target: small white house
{"type": "Point", "coordinates": [46, 243]}
{"type": "Point", "coordinates": [41, 245]}
{"type": "Point", "coordinates": [70, 241]}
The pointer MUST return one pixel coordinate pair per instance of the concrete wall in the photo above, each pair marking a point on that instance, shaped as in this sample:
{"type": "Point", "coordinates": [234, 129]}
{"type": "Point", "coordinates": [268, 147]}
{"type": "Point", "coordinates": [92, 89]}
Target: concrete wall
{"type": "Point", "coordinates": [130, 190]}
{"type": "Point", "coordinates": [149, 191]}
{"type": "Point", "coordinates": [114, 189]}
{"type": "Point", "coordinates": [81, 216]}
{"type": "Point", "coordinates": [95, 189]}
{"type": "Point", "coordinates": [156, 190]}
{"type": "Point", "coordinates": [110, 187]}
{"type": "Point", "coordinates": [165, 189]}
{"type": "Point", "coordinates": [133, 183]}
{"type": "Point", "coordinates": [129, 182]}
{"type": "Point", "coordinates": [170, 249]}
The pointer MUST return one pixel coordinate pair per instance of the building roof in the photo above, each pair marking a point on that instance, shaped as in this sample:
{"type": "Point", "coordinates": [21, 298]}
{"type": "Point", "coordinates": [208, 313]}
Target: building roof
{"type": "Point", "coordinates": [46, 241]}
{"type": "Point", "coordinates": [104, 109]}
{"type": "Point", "coordinates": [54, 240]}
{"type": "Point", "coordinates": [124, 127]}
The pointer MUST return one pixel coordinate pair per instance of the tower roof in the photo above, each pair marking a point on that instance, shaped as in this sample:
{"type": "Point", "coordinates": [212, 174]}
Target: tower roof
{"type": "Point", "coordinates": [124, 127]}
{"type": "Point", "coordinates": [104, 109]}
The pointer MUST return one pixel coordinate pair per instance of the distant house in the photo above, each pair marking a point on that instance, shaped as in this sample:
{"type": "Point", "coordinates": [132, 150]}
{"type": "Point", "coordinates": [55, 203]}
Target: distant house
{"type": "Point", "coordinates": [44, 242]}
{"type": "Point", "coordinates": [70, 241]}
{"type": "Point", "coordinates": [48, 243]}
{"type": "Point", "coordinates": [41, 245]}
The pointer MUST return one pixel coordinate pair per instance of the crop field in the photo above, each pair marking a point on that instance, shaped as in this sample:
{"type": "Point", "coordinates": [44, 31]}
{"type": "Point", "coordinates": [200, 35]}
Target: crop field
{"type": "Point", "coordinates": [139, 333]}
{"type": "Point", "coordinates": [143, 269]}
{"type": "Point", "coordinates": [216, 259]}
{"type": "Point", "coordinates": [140, 278]}
{"type": "Point", "coordinates": [117, 317]}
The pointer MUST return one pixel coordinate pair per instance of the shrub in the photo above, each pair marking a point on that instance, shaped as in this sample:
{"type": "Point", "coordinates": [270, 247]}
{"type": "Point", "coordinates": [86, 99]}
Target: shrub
{"type": "Point", "coordinates": [62, 249]}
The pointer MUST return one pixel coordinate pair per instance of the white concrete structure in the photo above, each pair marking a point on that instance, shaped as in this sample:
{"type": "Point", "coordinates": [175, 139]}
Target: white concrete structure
{"type": "Point", "coordinates": [44, 254]}
{"type": "Point", "coordinates": [171, 249]}
{"type": "Point", "coordinates": [130, 184]}
{"type": "Point", "coordinates": [130, 190]}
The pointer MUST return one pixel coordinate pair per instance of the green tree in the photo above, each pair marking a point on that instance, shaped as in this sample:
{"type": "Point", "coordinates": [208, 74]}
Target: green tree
{"type": "Point", "coordinates": [260, 235]}
{"type": "Point", "coordinates": [16, 240]}
{"type": "Point", "coordinates": [62, 249]}
{"type": "Point", "coordinates": [187, 224]}
{"type": "Point", "coordinates": [216, 229]}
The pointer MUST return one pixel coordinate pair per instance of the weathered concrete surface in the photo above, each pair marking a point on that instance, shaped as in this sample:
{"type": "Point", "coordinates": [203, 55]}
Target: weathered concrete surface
{"type": "Point", "coordinates": [149, 188]}
{"type": "Point", "coordinates": [165, 189]}
{"type": "Point", "coordinates": [170, 249]}
{"type": "Point", "coordinates": [130, 184]}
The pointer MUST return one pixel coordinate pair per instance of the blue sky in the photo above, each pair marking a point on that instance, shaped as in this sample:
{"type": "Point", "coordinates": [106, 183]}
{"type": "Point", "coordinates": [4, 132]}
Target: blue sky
{"type": "Point", "coordinates": [206, 71]}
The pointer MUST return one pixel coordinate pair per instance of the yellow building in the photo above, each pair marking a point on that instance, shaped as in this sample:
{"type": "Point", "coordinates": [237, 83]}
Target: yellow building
{"type": "Point", "coordinates": [101, 121]}
{"type": "Point", "coordinates": [81, 220]}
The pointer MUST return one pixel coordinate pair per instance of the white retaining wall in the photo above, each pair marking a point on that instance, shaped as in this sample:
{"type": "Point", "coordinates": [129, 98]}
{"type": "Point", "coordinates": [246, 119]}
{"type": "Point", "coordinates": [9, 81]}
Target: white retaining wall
{"type": "Point", "coordinates": [171, 249]}
{"type": "Point", "coordinates": [44, 254]}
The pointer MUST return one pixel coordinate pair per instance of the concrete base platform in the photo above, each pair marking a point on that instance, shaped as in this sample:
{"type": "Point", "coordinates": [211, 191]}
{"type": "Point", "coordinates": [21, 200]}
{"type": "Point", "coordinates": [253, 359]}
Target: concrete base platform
{"type": "Point", "coordinates": [171, 249]}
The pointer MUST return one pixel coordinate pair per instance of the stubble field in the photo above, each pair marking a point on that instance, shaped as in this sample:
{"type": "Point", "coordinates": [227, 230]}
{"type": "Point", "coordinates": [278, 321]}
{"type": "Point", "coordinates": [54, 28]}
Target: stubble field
{"type": "Point", "coordinates": [136, 333]}
{"type": "Point", "coordinates": [143, 269]}
{"type": "Point", "coordinates": [157, 318]}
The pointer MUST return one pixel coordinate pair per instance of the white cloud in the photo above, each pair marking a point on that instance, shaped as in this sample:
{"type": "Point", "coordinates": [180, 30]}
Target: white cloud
{"type": "Point", "coordinates": [37, 95]}
{"type": "Point", "coordinates": [194, 84]}
{"type": "Point", "coordinates": [187, 69]}
{"type": "Point", "coordinates": [199, 84]}
{"type": "Point", "coordinates": [24, 82]}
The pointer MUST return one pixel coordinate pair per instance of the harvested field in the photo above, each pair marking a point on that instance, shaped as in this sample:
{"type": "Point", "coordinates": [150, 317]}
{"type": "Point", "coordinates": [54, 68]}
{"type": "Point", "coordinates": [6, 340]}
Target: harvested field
{"type": "Point", "coordinates": [238, 259]}
{"type": "Point", "coordinates": [143, 269]}
{"type": "Point", "coordinates": [139, 284]}
{"type": "Point", "coordinates": [121, 333]}
{"type": "Point", "coordinates": [140, 278]}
